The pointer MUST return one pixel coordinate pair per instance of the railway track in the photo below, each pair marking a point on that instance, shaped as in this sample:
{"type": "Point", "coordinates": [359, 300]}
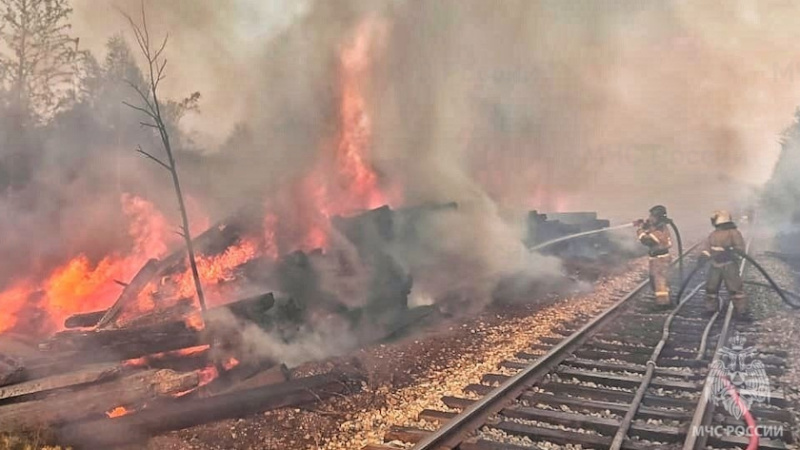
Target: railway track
{"type": "Point", "coordinates": [631, 378]}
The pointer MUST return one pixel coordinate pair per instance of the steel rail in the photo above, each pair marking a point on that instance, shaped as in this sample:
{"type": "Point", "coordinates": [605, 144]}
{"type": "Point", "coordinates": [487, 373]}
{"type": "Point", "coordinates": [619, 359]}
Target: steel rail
{"type": "Point", "coordinates": [625, 425]}
{"type": "Point", "coordinates": [473, 417]}
{"type": "Point", "coordinates": [705, 409]}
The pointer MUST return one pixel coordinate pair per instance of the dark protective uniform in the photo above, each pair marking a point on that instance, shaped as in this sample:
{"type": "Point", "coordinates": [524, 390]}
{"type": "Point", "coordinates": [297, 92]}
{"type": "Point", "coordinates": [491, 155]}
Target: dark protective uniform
{"type": "Point", "coordinates": [657, 238]}
{"type": "Point", "coordinates": [725, 266]}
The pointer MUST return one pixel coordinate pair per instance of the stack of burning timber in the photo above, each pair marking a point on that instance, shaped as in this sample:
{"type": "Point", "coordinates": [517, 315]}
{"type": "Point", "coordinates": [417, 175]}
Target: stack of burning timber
{"type": "Point", "coordinates": [109, 378]}
{"type": "Point", "coordinates": [103, 386]}
{"type": "Point", "coordinates": [152, 362]}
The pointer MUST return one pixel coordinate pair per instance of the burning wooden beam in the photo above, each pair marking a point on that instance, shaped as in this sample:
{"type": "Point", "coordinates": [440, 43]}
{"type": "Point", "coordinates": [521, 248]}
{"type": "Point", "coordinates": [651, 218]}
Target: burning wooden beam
{"type": "Point", "coordinates": [251, 308]}
{"type": "Point", "coordinates": [69, 348]}
{"type": "Point", "coordinates": [245, 376]}
{"type": "Point", "coordinates": [130, 292]}
{"type": "Point", "coordinates": [92, 374]}
{"type": "Point", "coordinates": [183, 360]}
{"type": "Point", "coordinates": [191, 412]}
{"type": "Point", "coordinates": [84, 320]}
{"type": "Point", "coordinates": [121, 344]}
{"type": "Point", "coordinates": [179, 311]}
{"type": "Point", "coordinates": [95, 400]}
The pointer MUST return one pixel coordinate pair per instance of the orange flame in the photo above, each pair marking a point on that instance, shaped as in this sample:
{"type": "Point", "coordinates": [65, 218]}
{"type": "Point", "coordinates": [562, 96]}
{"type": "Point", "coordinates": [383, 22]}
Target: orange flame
{"type": "Point", "coordinates": [207, 375]}
{"type": "Point", "coordinates": [270, 238]}
{"type": "Point", "coordinates": [215, 273]}
{"type": "Point", "coordinates": [119, 411]}
{"type": "Point", "coordinates": [356, 177]}
{"type": "Point", "coordinates": [79, 284]}
{"type": "Point", "coordinates": [354, 185]}
{"type": "Point", "coordinates": [195, 321]}
{"type": "Point", "coordinates": [145, 360]}
{"type": "Point", "coordinates": [230, 363]}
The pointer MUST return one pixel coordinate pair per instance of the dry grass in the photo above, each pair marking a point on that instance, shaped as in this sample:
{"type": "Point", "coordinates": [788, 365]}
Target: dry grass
{"type": "Point", "coordinates": [29, 440]}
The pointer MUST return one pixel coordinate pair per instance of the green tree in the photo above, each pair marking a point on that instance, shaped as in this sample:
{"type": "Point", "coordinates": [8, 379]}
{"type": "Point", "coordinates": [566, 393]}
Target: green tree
{"type": "Point", "coordinates": [39, 58]}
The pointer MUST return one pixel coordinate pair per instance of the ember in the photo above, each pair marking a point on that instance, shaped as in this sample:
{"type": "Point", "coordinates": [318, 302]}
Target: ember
{"type": "Point", "coordinates": [195, 321]}
{"type": "Point", "coordinates": [119, 411]}
{"type": "Point", "coordinates": [230, 363]}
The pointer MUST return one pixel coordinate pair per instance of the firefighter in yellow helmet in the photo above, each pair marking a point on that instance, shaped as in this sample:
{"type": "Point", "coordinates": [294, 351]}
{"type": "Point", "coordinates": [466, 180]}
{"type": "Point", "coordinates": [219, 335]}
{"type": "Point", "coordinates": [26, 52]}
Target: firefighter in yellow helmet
{"type": "Point", "coordinates": [654, 233]}
{"type": "Point", "coordinates": [719, 248]}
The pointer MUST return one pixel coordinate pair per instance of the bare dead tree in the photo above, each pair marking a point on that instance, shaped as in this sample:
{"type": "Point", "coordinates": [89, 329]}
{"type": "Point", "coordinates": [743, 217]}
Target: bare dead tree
{"type": "Point", "coordinates": [151, 107]}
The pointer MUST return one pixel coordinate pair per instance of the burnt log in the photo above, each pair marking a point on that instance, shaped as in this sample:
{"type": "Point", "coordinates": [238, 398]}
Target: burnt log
{"type": "Point", "coordinates": [251, 308]}
{"type": "Point", "coordinates": [84, 320]}
{"type": "Point", "coordinates": [171, 313]}
{"type": "Point", "coordinates": [245, 376]}
{"type": "Point", "coordinates": [184, 360]}
{"type": "Point", "coordinates": [195, 411]}
{"type": "Point", "coordinates": [11, 370]}
{"type": "Point", "coordinates": [86, 376]}
{"type": "Point", "coordinates": [130, 292]}
{"type": "Point", "coordinates": [98, 345]}
{"type": "Point", "coordinates": [274, 375]}
{"type": "Point", "coordinates": [93, 401]}
{"type": "Point", "coordinates": [69, 348]}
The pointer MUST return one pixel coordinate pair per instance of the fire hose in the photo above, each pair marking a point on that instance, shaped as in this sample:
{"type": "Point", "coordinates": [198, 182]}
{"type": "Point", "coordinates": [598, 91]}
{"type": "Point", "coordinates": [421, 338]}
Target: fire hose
{"type": "Point", "coordinates": [778, 290]}
{"type": "Point", "coordinates": [748, 417]}
{"type": "Point", "coordinates": [784, 295]}
{"type": "Point", "coordinates": [680, 245]}
{"type": "Point", "coordinates": [752, 443]}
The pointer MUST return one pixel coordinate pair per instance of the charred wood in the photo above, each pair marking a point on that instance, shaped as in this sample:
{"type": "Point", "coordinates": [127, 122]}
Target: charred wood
{"type": "Point", "coordinates": [251, 308]}
{"type": "Point", "coordinates": [95, 400]}
{"type": "Point", "coordinates": [84, 320]}
{"type": "Point", "coordinates": [178, 311]}
{"type": "Point", "coordinates": [245, 376]}
{"type": "Point", "coordinates": [69, 348]}
{"type": "Point", "coordinates": [191, 412]}
{"type": "Point", "coordinates": [98, 345]}
{"type": "Point", "coordinates": [11, 370]}
{"type": "Point", "coordinates": [179, 361]}
{"type": "Point", "coordinates": [73, 379]}
{"type": "Point", "coordinates": [274, 375]}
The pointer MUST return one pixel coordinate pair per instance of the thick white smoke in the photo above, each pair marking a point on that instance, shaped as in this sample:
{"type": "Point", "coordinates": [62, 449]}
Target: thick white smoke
{"type": "Point", "coordinates": [606, 106]}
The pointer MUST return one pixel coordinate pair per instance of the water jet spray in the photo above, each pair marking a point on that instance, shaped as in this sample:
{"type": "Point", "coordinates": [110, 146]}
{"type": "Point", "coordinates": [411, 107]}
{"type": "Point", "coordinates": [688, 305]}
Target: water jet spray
{"type": "Point", "coordinates": [578, 235]}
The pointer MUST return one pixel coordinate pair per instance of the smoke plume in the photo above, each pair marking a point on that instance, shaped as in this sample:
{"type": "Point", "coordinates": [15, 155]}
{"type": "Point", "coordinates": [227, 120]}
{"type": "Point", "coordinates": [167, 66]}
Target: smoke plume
{"type": "Point", "coordinates": [558, 106]}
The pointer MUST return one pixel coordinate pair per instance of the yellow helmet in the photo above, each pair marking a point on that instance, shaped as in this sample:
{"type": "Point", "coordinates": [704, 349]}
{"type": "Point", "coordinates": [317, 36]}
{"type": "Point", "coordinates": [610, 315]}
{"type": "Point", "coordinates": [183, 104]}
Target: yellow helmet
{"type": "Point", "coordinates": [720, 217]}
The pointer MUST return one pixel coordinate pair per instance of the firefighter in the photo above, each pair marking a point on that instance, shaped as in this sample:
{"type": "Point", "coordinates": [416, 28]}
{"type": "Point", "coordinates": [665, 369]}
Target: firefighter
{"type": "Point", "coordinates": [654, 234]}
{"type": "Point", "coordinates": [719, 248]}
